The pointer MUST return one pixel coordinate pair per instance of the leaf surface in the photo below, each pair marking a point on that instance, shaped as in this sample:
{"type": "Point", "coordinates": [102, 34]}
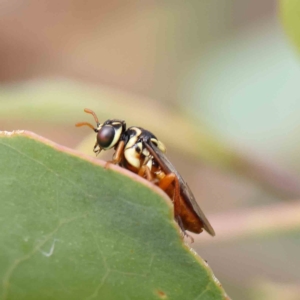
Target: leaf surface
{"type": "Point", "coordinates": [71, 229]}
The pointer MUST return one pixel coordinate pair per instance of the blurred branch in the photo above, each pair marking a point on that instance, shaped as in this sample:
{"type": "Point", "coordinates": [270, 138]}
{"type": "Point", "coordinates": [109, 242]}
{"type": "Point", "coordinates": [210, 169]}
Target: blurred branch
{"type": "Point", "coordinates": [253, 222]}
{"type": "Point", "coordinates": [268, 174]}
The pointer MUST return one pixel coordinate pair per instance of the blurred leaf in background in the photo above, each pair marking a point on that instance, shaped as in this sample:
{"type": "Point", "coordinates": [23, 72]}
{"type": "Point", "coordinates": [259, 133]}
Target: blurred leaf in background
{"type": "Point", "coordinates": [289, 13]}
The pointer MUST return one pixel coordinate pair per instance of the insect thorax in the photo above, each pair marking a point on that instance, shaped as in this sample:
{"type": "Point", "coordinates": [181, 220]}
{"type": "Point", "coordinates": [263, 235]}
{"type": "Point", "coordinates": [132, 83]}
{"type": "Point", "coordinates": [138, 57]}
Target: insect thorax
{"type": "Point", "coordinates": [135, 152]}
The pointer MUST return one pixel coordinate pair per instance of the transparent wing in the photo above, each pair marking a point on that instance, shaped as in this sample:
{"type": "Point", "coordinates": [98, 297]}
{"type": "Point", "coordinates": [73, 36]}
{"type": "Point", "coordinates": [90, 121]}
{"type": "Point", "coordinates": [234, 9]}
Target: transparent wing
{"type": "Point", "coordinates": [185, 191]}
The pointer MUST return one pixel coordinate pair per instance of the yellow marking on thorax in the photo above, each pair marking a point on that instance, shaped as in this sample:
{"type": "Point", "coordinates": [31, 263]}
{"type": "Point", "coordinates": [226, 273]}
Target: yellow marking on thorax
{"type": "Point", "coordinates": [132, 157]}
{"type": "Point", "coordinates": [133, 139]}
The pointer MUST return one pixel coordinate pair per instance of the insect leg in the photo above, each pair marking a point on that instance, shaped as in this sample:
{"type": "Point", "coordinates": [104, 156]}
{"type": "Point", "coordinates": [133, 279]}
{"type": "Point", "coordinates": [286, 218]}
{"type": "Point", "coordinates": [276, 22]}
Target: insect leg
{"type": "Point", "coordinates": [117, 157]}
{"type": "Point", "coordinates": [164, 184]}
{"type": "Point", "coordinates": [144, 170]}
{"type": "Point", "coordinates": [167, 181]}
{"type": "Point", "coordinates": [97, 148]}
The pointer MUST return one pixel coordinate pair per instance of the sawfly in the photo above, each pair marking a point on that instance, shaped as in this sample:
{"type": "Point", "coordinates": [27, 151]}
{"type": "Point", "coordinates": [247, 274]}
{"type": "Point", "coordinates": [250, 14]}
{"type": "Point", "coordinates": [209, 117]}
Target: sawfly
{"type": "Point", "coordinates": [139, 151]}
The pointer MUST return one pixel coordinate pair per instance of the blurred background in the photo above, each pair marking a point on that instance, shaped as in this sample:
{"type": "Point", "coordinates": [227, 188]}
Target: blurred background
{"type": "Point", "coordinates": [216, 81]}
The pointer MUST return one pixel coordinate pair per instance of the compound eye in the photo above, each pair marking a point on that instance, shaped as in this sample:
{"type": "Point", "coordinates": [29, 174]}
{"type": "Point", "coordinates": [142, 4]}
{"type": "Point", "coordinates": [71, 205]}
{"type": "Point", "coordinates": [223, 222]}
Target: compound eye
{"type": "Point", "coordinates": [106, 136]}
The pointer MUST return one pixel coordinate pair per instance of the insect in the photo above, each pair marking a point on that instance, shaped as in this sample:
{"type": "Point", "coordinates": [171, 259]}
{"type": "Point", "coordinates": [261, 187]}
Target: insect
{"type": "Point", "coordinates": [139, 151]}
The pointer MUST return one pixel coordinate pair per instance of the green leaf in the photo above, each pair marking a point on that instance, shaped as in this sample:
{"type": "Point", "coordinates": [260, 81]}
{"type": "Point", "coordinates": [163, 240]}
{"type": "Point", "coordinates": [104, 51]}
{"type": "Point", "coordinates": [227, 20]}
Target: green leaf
{"type": "Point", "coordinates": [290, 12]}
{"type": "Point", "coordinates": [71, 229]}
